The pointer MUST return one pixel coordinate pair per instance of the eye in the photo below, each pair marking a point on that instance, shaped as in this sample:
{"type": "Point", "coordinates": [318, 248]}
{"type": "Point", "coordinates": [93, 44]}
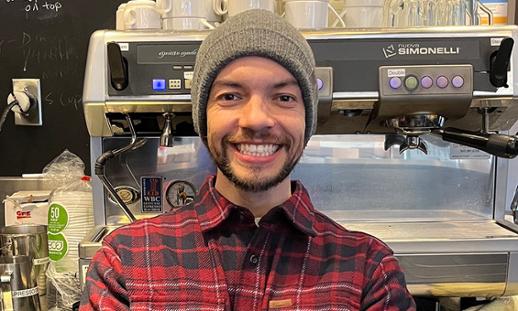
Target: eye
{"type": "Point", "coordinates": [228, 97]}
{"type": "Point", "coordinates": [286, 99]}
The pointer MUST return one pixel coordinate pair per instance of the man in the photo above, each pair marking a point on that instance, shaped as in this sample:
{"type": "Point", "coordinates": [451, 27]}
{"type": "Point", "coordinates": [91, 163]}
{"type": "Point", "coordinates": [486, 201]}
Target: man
{"type": "Point", "coordinates": [251, 240]}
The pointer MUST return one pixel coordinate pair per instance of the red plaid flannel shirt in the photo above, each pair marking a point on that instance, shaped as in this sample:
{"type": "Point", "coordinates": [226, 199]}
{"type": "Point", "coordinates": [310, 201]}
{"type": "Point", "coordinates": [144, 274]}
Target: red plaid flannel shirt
{"type": "Point", "coordinates": [211, 256]}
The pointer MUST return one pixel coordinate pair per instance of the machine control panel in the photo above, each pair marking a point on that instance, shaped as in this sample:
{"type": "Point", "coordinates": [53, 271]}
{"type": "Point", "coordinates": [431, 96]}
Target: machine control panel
{"type": "Point", "coordinates": [176, 81]}
{"type": "Point", "coordinates": [426, 80]}
{"type": "Point", "coordinates": [160, 68]}
{"type": "Point", "coordinates": [444, 90]}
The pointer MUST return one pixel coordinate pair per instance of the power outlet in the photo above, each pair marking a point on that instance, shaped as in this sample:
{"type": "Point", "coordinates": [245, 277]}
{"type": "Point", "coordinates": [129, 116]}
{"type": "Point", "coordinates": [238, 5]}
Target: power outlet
{"type": "Point", "coordinates": [33, 116]}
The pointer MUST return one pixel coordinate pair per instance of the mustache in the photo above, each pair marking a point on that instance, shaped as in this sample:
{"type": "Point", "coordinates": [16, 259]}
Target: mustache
{"type": "Point", "coordinates": [249, 135]}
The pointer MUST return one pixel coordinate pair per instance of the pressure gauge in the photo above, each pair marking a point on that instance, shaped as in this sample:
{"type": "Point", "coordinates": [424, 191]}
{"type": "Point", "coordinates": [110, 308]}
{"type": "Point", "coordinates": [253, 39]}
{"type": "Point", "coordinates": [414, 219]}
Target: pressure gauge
{"type": "Point", "coordinates": [180, 193]}
{"type": "Point", "coordinates": [129, 195]}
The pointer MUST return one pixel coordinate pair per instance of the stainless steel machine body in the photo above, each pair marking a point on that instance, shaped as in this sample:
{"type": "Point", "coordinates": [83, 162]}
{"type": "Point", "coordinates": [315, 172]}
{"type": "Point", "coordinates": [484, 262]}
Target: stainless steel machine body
{"type": "Point", "coordinates": [445, 214]}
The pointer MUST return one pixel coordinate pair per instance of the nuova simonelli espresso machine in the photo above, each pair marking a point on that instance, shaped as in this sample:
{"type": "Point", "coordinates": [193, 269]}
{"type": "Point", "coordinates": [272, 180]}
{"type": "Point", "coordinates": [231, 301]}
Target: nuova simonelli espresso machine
{"type": "Point", "coordinates": [413, 143]}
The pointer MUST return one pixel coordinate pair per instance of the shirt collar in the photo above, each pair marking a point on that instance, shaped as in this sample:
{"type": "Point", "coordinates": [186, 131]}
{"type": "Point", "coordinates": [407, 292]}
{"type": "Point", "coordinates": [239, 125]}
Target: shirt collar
{"type": "Point", "coordinates": [212, 208]}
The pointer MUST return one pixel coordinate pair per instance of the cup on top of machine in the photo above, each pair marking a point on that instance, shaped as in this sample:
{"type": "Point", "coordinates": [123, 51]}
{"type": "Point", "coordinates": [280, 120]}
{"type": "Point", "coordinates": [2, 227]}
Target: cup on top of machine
{"type": "Point", "coordinates": [413, 13]}
{"type": "Point", "coordinates": [119, 17]}
{"type": "Point", "coordinates": [188, 14]}
{"type": "Point", "coordinates": [362, 13]}
{"type": "Point", "coordinates": [234, 7]}
{"type": "Point", "coordinates": [310, 14]}
{"type": "Point", "coordinates": [186, 23]}
{"type": "Point", "coordinates": [139, 15]}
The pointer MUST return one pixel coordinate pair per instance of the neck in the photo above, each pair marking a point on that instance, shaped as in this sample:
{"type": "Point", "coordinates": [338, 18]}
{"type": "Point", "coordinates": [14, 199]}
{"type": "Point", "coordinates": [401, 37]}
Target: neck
{"type": "Point", "coordinates": [259, 203]}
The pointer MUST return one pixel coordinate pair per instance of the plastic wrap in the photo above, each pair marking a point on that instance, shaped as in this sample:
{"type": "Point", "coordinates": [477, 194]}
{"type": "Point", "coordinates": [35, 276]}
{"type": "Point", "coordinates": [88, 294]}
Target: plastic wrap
{"type": "Point", "coordinates": [64, 169]}
{"type": "Point", "coordinates": [70, 218]}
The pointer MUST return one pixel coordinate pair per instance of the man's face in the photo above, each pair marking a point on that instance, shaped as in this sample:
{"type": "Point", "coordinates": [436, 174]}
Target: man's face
{"type": "Point", "coordinates": [256, 122]}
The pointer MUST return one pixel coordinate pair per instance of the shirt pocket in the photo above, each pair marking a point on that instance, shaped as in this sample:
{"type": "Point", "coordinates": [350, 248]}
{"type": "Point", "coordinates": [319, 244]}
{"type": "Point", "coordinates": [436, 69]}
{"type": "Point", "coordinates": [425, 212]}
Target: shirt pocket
{"type": "Point", "coordinates": [335, 297]}
{"type": "Point", "coordinates": [161, 303]}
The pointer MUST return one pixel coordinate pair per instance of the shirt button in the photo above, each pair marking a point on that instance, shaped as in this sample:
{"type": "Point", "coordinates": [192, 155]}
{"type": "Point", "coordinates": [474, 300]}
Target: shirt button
{"type": "Point", "coordinates": [253, 260]}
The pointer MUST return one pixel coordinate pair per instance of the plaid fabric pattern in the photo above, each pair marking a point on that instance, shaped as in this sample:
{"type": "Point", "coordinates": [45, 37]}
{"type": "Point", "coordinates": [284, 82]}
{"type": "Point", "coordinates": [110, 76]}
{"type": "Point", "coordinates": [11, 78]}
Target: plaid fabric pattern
{"type": "Point", "coordinates": [211, 255]}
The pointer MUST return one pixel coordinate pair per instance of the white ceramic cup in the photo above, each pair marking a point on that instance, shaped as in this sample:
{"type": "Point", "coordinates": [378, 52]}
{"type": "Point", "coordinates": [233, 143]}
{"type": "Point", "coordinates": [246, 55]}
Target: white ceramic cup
{"type": "Point", "coordinates": [142, 14]}
{"type": "Point", "coordinates": [363, 13]}
{"type": "Point", "coordinates": [186, 24]}
{"type": "Point", "coordinates": [234, 7]}
{"type": "Point", "coordinates": [189, 8]}
{"type": "Point", "coordinates": [309, 14]}
{"type": "Point", "coordinates": [119, 17]}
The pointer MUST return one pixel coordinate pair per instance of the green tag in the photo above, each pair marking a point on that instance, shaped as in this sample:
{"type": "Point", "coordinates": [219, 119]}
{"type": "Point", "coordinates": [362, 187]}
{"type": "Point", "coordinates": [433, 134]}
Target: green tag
{"type": "Point", "coordinates": [57, 217]}
{"type": "Point", "coordinates": [58, 246]}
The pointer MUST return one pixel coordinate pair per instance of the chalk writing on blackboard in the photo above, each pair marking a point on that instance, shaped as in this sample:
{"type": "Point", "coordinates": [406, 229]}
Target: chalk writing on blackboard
{"type": "Point", "coordinates": [35, 6]}
{"type": "Point", "coordinates": [38, 48]}
{"type": "Point", "coordinates": [64, 99]}
{"type": "Point", "coordinates": [49, 6]}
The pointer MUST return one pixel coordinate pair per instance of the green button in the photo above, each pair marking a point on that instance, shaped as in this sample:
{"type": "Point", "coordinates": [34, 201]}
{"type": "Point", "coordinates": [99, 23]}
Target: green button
{"type": "Point", "coordinates": [411, 83]}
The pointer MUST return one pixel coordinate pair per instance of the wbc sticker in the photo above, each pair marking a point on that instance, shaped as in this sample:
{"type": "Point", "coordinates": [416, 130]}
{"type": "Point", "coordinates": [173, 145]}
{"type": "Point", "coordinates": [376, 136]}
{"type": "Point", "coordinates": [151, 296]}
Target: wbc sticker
{"type": "Point", "coordinates": [151, 199]}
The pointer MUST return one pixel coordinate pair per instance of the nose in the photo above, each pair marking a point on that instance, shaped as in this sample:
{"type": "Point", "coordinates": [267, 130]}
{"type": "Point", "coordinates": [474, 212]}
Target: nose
{"type": "Point", "coordinates": [256, 114]}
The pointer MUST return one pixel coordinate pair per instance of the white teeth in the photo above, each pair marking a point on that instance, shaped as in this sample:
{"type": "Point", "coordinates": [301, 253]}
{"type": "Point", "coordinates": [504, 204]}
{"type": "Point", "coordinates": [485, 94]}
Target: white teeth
{"type": "Point", "coordinates": [257, 150]}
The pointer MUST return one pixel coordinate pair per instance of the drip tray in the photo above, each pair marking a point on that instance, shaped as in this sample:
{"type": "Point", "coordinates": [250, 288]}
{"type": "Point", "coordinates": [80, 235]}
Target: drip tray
{"type": "Point", "coordinates": [93, 241]}
{"type": "Point", "coordinates": [444, 253]}
{"type": "Point", "coordinates": [434, 231]}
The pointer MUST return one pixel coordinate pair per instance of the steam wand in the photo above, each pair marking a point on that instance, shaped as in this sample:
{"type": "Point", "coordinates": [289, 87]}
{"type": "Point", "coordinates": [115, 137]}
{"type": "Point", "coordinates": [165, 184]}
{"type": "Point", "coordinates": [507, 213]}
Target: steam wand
{"type": "Point", "coordinates": [499, 145]}
{"type": "Point", "coordinates": [108, 155]}
{"type": "Point", "coordinates": [514, 206]}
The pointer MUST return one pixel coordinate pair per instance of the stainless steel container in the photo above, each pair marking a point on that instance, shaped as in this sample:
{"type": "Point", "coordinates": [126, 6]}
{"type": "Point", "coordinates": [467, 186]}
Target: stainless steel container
{"type": "Point", "coordinates": [28, 240]}
{"type": "Point", "coordinates": [18, 288]}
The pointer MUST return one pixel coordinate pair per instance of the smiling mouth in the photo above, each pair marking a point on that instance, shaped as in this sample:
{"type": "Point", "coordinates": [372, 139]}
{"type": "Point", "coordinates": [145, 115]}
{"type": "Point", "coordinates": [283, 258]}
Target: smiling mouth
{"type": "Point", "coordinates": [257, 150]}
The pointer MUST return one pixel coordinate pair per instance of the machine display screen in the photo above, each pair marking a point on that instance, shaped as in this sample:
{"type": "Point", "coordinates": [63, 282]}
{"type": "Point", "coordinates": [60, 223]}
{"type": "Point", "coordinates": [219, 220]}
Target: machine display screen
{"type": "Point", "coordinates": [167, 53]}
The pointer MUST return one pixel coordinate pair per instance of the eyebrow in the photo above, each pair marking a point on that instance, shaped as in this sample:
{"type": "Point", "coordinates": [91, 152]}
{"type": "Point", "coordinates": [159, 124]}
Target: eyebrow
{"type": "Point", "coordinates": [290, 82]}
{"type": "Point", "coordinates": [233, 84]}
{"type": "Point", "coordinates": [227, 84]}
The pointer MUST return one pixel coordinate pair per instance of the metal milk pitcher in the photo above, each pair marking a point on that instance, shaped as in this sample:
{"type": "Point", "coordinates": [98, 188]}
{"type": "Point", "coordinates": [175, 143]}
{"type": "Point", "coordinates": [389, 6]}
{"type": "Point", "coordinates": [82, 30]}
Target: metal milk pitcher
{"type": "Point", "coordinates": [18, 289]}
{"type": "Point", "coordinates": [28, 240]}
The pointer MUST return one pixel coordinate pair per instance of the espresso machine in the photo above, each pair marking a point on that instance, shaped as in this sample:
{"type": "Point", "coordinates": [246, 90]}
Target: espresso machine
{"type": "Point", "coordinates": [412, 146]}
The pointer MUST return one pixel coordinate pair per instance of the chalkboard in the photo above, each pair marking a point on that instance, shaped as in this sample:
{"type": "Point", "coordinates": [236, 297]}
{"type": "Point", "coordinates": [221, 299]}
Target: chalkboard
{"type": "Point", "coordinates": [47, 40]}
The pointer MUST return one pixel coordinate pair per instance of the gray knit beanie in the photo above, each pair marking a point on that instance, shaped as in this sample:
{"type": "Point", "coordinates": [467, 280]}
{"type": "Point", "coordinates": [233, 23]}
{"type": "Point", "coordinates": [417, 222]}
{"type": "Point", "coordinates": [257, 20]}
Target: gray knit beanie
{"type": "Point", "coordinates": [254, 33]}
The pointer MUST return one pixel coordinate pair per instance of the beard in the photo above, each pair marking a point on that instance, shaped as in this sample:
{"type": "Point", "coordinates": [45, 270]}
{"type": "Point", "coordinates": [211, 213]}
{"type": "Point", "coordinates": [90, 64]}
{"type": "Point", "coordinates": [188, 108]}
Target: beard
{"type": "Point", "coordinates": [255, 182]}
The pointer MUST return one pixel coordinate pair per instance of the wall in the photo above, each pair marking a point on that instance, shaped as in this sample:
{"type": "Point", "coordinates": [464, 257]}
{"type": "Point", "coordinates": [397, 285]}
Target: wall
{"type": "Point", "coordinates": [47, 39]}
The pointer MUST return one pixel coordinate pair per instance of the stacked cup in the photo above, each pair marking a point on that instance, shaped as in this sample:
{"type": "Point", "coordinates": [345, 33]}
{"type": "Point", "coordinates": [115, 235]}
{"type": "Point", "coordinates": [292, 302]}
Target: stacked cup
{"type": "Point", "coordinates": [138, 15]}
{"type": "Point", "coordinates": [309, 14]}
{"type": "Point", "coordinates": [187, 15]}
{"type": "Point", "coordinates": [363, 13]}
{"type": "Point", "coordinates": [234, 7]}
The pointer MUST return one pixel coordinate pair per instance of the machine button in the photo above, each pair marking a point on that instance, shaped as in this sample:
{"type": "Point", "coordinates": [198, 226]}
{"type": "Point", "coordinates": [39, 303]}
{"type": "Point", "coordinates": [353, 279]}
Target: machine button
{"type": "Point", "coordinates": [395, 83]}
{"type": "Point", "coordinates": [188, 84]}
{"type": "Point", "coordinates": [426, 82]}
{"type": "Point", "coordinates": [176, 67]}
{"type": "Point", "coordinates": [442, 82]}
{"type": "Point", "coordinates": [457, 82]}
{"type": "Point", "coordinates": [159, 85]}
{"type": "Point", "coordinates": [175, 84]}
{"type": "Point", "coordinates": [411, 83]}
{"type": "Point", "coordinates": [320, 84]}
{"type": "Point", "coordinates": [188, 67]}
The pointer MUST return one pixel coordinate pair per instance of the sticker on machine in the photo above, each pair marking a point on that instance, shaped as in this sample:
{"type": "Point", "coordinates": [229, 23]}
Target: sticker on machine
{"type": "Point", "coordinates": [188, 75]}
{"type": "Point", "coordinates": [22, 293]}
{"type": "Point", "coordinates": [84, 271]}
{"type": "Point", "coordinates": [40, 261]}
{"type": "Point", "coordinates": [124, 46]}
{"type": "Point", "coordinates": [496, 41]}
{"type": "Point", "coordinates": [459, 152]}
{"type": "Point", "coordinates": [401, 72]}
{"type": "Point", "coordinates": [151, 199]}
